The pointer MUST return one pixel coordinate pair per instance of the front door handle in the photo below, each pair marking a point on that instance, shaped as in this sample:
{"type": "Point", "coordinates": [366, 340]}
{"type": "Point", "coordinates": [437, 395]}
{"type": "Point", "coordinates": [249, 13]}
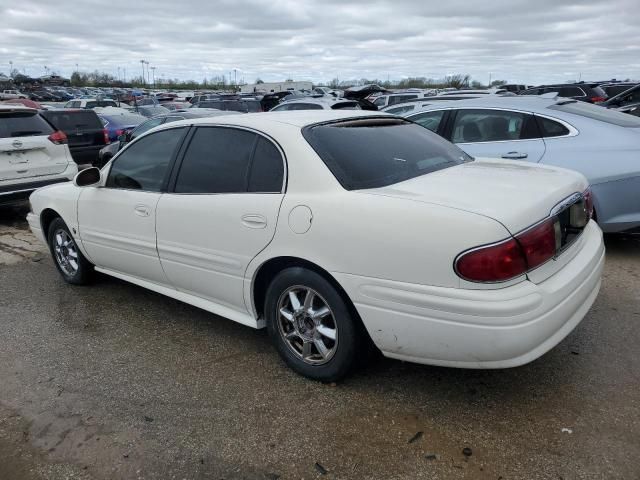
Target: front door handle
{"type": "Point", "coordinates": [142, 210]}
{"type": "Point", "coordinates": [515, 155]}
{"type": "Point", "coordinates": [253, 220]}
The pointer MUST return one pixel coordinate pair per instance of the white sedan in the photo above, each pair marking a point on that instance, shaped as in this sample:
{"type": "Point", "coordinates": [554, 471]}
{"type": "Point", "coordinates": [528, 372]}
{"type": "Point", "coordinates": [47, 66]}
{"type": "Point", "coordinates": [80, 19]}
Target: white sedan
{"type": "Point", "coordinates": [338, 229]}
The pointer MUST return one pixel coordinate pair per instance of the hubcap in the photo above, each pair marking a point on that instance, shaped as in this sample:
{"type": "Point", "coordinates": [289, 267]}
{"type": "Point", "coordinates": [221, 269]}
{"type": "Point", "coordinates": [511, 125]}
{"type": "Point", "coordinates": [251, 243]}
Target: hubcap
{"type": "Point", "coordinates": [66, 252]}
{"type": "Point", "coordinates": [307, 325]}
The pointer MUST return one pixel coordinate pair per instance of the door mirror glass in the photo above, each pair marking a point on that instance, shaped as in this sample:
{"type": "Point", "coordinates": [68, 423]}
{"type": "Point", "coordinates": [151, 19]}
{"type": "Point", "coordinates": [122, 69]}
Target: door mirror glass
{"type": "Point", "coordinates": [87, 177]}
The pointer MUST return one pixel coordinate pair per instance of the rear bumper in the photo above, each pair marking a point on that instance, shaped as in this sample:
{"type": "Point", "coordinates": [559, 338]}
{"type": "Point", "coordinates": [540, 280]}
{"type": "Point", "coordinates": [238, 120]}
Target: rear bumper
{"type": "Point", "coordinates": [21, 191]}
{"type": "Point", "coordinates": [479, 328]}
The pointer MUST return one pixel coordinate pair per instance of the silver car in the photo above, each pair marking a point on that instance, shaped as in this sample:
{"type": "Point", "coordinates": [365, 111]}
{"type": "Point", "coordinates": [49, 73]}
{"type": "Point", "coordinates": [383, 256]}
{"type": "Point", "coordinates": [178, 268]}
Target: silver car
{"type": "Point", "coordinates": [602, 144]}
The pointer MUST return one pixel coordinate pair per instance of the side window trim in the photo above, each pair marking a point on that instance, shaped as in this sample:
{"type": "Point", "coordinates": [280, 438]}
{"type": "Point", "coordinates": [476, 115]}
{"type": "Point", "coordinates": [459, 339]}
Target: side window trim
{"type": "Point", "coordinates": [172, 161]}
{"type": "Point", "coordinates": [177, 163]}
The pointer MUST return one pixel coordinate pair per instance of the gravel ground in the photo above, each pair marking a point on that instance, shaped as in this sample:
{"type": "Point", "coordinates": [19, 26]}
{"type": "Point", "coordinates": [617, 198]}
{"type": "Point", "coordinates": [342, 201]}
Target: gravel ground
{"type": "Point", "coordinates": [115, 382]}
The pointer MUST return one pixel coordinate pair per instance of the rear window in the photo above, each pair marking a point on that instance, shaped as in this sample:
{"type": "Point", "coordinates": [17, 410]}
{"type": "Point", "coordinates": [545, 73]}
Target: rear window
{"type": "Point", "coordinates": [71, 121]}
{"type": "Point", "coordinates": [23, 124]}
{"type": "Point", "coordinates": [597, 113]}
{"type": "Point", "coordinates": [374, 153]}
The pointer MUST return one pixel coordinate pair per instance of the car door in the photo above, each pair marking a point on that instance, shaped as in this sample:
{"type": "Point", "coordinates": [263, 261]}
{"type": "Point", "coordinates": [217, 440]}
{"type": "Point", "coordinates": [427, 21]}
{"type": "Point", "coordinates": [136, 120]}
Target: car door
{"type": "Point", "coordinates": [117, 220]}
{"type": "Point", "coordinates": [496, 133]}
{"type": "Point", "coordinates": [221, 211]}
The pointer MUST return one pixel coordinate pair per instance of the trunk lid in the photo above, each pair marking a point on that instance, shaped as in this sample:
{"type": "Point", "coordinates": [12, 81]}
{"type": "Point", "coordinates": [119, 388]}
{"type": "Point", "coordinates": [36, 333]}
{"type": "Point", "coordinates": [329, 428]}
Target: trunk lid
{"type": "Point", "coordinates": [513, 193]}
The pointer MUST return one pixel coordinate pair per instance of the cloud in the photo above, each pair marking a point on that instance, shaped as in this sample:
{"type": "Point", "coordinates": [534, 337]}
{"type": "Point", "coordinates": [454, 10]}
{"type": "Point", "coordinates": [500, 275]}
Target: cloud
{"type": "Point", "coordinates": [516, 40]}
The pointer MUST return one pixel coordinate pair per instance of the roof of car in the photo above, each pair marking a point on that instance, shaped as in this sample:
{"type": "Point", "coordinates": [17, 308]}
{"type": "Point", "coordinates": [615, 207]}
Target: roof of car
{"type": "Point", "coordinates": [296, 118]}
{"type": "Point", "coordinates": [517, 102]}
{"type": "Point", "coordinates": [9, 107]}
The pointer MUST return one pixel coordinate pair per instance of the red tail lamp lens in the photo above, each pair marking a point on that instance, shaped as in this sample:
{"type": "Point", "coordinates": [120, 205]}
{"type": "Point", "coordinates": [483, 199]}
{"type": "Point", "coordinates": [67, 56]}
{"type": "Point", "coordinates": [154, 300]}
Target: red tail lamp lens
{"type": "Point", "coordinates": [495, 263]}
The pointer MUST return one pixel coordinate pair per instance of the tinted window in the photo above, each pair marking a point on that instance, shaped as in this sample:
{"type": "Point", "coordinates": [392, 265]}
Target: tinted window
{"type": "Point", "coordinates": [597, 113]}
{"type": "Point", "coordinates": [430, 120]}
{"type": "Point", "coordinates": [380, 102]}
{"type": "Point", "coordinates": [487, 126]}
{"type": "Point", "coordinates": [23, 124]}
{"type": "Point", "coordinates": [373, 153]}
{"type": "Point", "coordinates": [267, 168]}
{"type": "Point", "coordinates": [569, 91]}
{"type": "Point", "coordinates": [401, 98]}
{"type": "Point", "coordinates": [305, 106]}
{"type": "Point", "coordinates": [145, 127]}
{"type": "Point", "coordinates": [143, 165]}
{"type": "Point", "coordinates": [551, 128]}
{"type": "Point", "coordinates": [71, 121]}
{"type": "Point", "coordinates": [217, 161]}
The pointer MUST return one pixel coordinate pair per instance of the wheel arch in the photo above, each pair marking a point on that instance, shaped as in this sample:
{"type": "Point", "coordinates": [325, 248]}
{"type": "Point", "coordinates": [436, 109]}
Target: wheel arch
{"type": "Point", "coordinates": [47, 216]}
{"type": "Point", "coordinates": [270, 268]}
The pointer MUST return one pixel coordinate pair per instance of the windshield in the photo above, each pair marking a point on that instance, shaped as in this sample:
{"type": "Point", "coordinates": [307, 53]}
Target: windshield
{"type": "Point", "coordinates": [596, 112]}
{"type": "Point", "coordinates": [376, 152]}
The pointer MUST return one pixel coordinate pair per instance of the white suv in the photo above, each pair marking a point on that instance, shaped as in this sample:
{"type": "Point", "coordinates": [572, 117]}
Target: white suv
{"type": "Point", "coordinates": [32, 153]}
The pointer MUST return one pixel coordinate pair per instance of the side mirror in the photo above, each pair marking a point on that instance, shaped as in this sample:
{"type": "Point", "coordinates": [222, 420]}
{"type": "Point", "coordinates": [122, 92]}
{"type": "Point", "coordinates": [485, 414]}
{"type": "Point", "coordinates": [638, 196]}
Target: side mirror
{"type": "Point", "coordinates": [87, 177]}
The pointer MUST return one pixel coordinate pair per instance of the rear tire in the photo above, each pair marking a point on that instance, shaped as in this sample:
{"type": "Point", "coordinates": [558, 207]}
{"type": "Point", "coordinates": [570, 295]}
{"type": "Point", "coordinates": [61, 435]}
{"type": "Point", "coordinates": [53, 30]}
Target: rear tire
{"type": "Point", "coordinates": [311, 325]}
{"type": "Point", "coordinates": [69, 260]}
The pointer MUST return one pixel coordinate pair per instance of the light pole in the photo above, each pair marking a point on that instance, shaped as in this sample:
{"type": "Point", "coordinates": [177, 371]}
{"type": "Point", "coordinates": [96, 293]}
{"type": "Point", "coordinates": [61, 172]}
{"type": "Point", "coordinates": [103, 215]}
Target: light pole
{"type": "Point", "coordinates": [148, 76]}
{"type": "Point", "coordinates": [153, 69]}
{"type": "Point", "coordinates": [235, 77]}
{"type": "Point", "coordinates": [10, 69]}
{"type": "Point", "coordinates": [142, 63]}
{"type": "Point", "coordinates": [118, 73]}
{"type": "Point", "coordinates": [489, 79]}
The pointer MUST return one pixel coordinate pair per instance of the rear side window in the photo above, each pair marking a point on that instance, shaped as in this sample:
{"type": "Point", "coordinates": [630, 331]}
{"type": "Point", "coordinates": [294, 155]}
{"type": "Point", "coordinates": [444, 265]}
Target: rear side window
{"type": "Point", "coordinates": [72, 121]}
{"type": "Point", "coordinates": [551, 128]}
{"type": "Point", "coordinates": [23, 124]}
{"type": "Point", "coordinates": [267, 168]}
{"type": "Point", "coordinates": [346, 106]}
{"type": "Point", "coordinates": [144, 164]}
{"type": "Point", "coordinates": [217, 161]}
{"type": "Point", "coordinates": [377, 152]}
{"type": "Point", "coordinates": [595, 112]}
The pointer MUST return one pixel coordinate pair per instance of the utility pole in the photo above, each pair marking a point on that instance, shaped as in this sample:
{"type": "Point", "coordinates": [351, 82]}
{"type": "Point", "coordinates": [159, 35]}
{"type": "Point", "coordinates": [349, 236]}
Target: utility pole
{"type": "Point", "coordinates": [153, 69]}
{"type": "Point", "coordinates": [142, 64]}
{"type": "Point", "coordinates": [118, 73]}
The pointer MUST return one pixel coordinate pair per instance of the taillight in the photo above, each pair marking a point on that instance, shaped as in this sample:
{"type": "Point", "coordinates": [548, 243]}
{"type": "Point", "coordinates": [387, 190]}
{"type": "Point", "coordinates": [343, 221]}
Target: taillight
{"type": "Point", "coordinates": [119, 132]}
{"type": "Point", "coordinates": [598, 99]}
{"type": "Point", "coordinates": [588, 202]}
{"type": "Point", "coordinates": [58, 137]}
{"type": "Point", "coordinates": [105, 132]}
{"type": "Point", "coordinates": [527, 250]}
{"type": "Point", "coordinates": [493, 263]}
{"type": "Point", "coordinates": [539, 243]}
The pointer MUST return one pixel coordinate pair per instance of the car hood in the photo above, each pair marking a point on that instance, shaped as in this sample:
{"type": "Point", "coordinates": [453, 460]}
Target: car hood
{"type": "Point", "coordinates": [513, 193]}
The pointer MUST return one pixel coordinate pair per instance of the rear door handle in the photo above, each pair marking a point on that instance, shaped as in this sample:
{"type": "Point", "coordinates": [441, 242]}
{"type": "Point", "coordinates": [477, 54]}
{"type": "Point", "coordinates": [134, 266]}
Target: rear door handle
{"type": "Point", "coordinates": [515, 155]}
{"type": "Point", "coordinates": [142, 210]}
{"type": "Point", "coordinates": [253, 220]}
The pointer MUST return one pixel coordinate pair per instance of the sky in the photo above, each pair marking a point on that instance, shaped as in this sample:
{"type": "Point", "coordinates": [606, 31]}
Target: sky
{"type": "Point", "coordinates": [521, 41]}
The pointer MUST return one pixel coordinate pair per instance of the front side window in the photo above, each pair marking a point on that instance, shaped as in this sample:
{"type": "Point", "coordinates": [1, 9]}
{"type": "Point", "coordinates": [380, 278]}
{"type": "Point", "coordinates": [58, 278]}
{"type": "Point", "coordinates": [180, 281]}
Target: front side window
{"type": "Point", "coordinates": [216, 161]}
{"type": "Point", "coordinates": [430, 120]}
{"type": "Point", "coordinates": [489, 126]}
{"type": "Point", "coordinates": [144, 164]}
{"type": "Point", "coordinates": [376, 152]}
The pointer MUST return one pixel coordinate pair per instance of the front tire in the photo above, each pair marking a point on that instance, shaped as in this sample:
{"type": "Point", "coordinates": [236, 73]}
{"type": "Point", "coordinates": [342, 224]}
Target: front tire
{"type": "Point", "coordinates": [69, 260]}
{"type": "Point", "coordinates": [311, 325]}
